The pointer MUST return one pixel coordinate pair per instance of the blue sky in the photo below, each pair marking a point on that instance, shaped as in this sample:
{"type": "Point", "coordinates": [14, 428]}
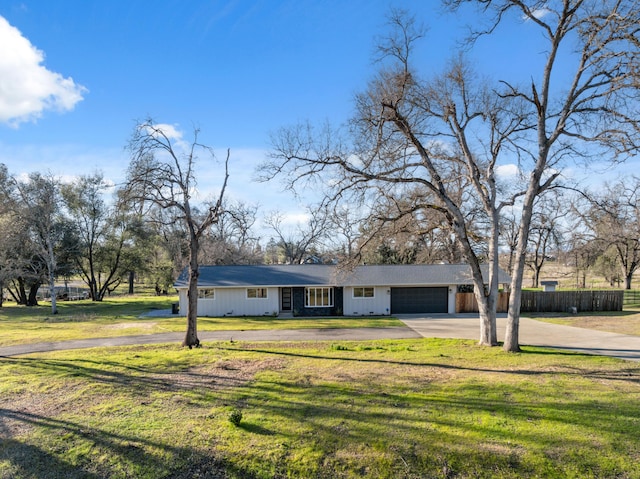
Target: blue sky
{"type": "Point", "coordinates": [238, 70]}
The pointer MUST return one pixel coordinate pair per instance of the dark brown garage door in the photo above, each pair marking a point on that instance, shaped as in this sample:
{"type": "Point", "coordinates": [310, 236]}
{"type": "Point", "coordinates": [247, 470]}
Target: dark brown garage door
{"type": "Point", "coordinates": [419, 300]}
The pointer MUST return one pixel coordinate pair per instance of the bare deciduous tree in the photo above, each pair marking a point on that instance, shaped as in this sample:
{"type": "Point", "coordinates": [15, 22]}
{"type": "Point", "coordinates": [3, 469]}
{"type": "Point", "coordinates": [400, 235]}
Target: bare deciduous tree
{"type": "Point", "coordinates": [162, 173]}
{"type": "Point", "coordinates": [410, 132]}
{"type": "Point", "coordinates": [586, 108]}
{"type": "Point", "coordinates": [297, 243]}
{"type": "Point", "coordinates": [415, 136]}
{"type": "Point", "coordinates": [613, 219]}
{"type": "Point", "coordinates": [230, 240]}
{"type": "Point", "coordinates": [545, 235]}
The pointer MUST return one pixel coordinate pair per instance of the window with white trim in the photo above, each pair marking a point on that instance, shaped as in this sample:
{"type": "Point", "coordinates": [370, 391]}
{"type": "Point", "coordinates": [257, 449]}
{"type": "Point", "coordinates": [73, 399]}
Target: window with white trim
{"type": "Point", "coordinates": [363, 292]}
{"type": "Point", "coordinates": [318, 297]}
{"type": "Point", "coordinates": [256, 293]}
{"type": "Point", "coordinates": [207, 293]}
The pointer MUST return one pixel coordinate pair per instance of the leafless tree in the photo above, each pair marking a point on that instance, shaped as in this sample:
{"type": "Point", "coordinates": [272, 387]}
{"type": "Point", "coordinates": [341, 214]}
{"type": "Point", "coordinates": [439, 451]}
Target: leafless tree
{"type": "Point", "coordinates": [509, 227]}
{"type": "Point", "coordinates": [586, 108]}
{"type": "Point", "coordinates": [395, 232]}
{"type": "Point", "coordinates": [230, 240]}
{"type": "Point", "coordinates": [410, 131]}
{"type": "Point", "coordinates": [414, 136]}
{"type": "Point", "coordinates": [162, 173]}
{"type": "Point", "coordinates": [297, 242]}
{"type": "Point", "coordinates": [545, 232]}
{"type": "Point", "coordinates": [345, 224]}
{"type": "Point", "coordinates": [613, 219]}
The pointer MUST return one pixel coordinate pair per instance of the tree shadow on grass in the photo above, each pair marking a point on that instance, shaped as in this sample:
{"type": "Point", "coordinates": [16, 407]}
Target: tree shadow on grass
{"type": "Point", "coordinates": [138, 380]}
{"type": "Point", "coordinates": [630, 374]}
{"type": "Point", "coordinates": [130, 456]}
{"type": "Point", "coordinates": [27, 460]}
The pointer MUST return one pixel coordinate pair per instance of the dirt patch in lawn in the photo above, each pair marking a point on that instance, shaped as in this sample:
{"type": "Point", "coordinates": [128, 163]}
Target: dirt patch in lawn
{"type": "Point", "coordinates": [622, 325]}
{"type": "Point", "coordinates": [220, 375]}
{"type": "Point", "coordinates": [20, 412]}
{"type": "Point", "coordinates": [145, 325]}
{"type": "Point", "coordinates": [626, 322]}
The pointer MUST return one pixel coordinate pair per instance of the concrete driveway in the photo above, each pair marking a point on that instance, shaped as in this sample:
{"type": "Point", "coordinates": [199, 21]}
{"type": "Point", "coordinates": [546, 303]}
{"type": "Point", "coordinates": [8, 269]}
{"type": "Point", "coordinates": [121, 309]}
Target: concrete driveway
{"type": "Point", "coordinates": [532, 333]}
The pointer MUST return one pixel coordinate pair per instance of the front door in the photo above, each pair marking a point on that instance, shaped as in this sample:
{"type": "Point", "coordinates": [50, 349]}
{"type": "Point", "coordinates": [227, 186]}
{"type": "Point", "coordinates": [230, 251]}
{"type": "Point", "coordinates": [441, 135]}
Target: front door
{"type": "Point", "coordinates": [285, 299]}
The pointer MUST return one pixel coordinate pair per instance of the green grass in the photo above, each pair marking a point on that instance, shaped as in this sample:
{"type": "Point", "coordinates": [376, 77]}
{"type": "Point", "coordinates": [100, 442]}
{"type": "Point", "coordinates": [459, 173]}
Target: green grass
{"type": "Point", "coordinates": [382, 409]}
{"type": "Point", "coordinates": [120, 316]}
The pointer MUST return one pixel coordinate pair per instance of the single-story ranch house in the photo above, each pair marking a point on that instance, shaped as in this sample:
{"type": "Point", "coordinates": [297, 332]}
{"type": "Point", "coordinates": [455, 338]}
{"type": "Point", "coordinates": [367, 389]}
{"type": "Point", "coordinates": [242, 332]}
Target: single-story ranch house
{"type": "Point", "coordinates": [327, 290]}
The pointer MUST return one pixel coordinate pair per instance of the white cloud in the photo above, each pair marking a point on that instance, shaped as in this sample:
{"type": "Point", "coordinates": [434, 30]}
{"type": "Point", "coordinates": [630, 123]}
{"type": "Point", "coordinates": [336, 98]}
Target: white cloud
{"type": "Point", "coordinates": [355, 161]}
{"type": "Point", "coordinates": [292, 218]}
{"type": "Point", "coordinates": [27, 88]}
{"type": "Point", "coordinates": [170, 131]}
{"type": "Point", "coordinates": [507, 171]}
{"type": "Point", "coordinates": [539, 13]}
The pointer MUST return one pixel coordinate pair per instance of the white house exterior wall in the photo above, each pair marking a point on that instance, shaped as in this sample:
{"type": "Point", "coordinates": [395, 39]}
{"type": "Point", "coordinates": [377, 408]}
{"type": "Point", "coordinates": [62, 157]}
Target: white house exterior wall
{"type": "Point", "coordinates": [182, 301]}
{"type": "Point", "coordinates": [452, 299]}
{"type": "Point", "coordinates": [234, 302]}
{"type": "Point", "coordinates": [380, 304]}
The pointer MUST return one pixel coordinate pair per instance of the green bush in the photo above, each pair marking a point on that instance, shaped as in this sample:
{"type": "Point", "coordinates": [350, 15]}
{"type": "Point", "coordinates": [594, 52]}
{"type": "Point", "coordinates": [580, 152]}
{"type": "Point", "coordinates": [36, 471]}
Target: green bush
{"type": "Point", "coordinates": [235, 417]}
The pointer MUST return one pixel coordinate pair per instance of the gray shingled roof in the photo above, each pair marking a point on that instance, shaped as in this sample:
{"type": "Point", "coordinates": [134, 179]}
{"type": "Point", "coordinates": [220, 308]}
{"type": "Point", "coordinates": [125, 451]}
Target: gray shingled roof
{"type": "Point", "coordinates": [330, 275]}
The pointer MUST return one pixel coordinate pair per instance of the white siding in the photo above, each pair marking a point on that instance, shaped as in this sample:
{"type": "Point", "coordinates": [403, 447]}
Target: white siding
{"type": "Point", "coordinates": [380, 304]}
{"type": "Point", "coordinates": [234, 302]}
{"type": "Point", "coordinates": [452, 298]}
{"type": "Point", "coordinates": [182, 300]}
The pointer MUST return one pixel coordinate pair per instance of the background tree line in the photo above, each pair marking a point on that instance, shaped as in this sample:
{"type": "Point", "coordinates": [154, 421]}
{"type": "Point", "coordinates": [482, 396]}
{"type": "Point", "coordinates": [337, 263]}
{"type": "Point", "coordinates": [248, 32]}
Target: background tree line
{"type": "Point", "coordinates": [81, 231]}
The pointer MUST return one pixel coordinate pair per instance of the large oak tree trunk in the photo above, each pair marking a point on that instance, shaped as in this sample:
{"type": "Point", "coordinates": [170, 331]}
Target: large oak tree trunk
{"type": "Point", "coordinates": [32, 300]}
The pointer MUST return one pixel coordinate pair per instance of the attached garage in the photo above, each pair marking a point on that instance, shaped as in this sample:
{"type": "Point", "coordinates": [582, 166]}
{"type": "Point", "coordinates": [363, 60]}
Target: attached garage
{"type": "Point", "coordinates": [418, 300]}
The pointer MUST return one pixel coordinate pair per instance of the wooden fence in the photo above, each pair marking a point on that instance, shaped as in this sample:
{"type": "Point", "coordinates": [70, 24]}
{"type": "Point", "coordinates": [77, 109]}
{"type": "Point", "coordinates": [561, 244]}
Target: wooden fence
{"type": "Point", "coordinates": [466, 303]}
{"type": "Point", "coordinates": [550, 302]}
{"type": "Point", "coordinates": [565, 301]}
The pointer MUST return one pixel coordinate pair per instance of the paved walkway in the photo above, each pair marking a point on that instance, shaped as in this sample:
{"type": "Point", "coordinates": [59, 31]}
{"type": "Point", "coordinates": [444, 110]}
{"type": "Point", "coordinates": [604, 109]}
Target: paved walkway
{"type": "Point", "coordinates": [532, 333]}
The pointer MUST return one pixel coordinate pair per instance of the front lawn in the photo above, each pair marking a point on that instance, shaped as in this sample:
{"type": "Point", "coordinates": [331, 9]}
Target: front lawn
{"type": "Point", "coordinates": [120, 316]}
{"type": "Point", "coordinates": [424, 408]}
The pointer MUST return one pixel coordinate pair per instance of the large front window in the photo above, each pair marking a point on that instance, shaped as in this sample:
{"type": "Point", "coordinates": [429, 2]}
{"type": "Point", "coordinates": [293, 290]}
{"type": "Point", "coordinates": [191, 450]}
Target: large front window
{"type": "Point", "coordinates": [318, 297]}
